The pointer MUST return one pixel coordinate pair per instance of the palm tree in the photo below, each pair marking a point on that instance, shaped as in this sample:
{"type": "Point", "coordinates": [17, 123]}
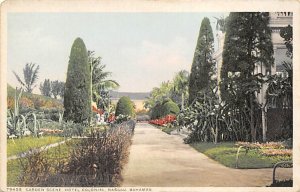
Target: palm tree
{"type": "Point", "coordinates": [99, 81]}
{"type": "Point", "coordinates": [180, 83]}
{"type": "Point", "coordinates": [30, 73]}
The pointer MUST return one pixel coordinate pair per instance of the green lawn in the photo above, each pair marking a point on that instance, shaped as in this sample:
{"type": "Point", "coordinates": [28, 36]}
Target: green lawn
{"type": "Point", "coordinates": [225, 153]}
{"type": "Point", "coordinates": [14, 167]}
{"type": "Point", "coordinates": [168, 129]}
{"type": "Point", "coordinates": [17, 146]}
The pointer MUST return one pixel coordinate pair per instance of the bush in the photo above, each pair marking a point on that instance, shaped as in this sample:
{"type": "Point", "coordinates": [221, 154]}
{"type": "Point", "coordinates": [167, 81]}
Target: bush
{"type": "Point", "coordinates": [160, 110]}
{"type": "Point", "coordinates": [92, 162]}
{"type": "Point", "coordinates": [125, 107]}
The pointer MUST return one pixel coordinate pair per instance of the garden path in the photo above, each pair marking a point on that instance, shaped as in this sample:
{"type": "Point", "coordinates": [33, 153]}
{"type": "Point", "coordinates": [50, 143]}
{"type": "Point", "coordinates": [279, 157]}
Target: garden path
{"type": "Point", "coordinates": [160, 160]}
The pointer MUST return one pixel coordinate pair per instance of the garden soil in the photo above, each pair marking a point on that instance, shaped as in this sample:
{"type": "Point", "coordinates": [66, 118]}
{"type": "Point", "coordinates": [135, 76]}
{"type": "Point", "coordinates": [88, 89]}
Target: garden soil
{"type": "Point", "coordinates": [161, 160]}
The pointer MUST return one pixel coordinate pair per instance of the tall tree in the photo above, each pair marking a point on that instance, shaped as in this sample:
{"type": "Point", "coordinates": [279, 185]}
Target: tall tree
{"type": "Point", "coordinates": [77, 88]}
{"type": "Point", "coordinates": [247, 43]}
{"type": "Point", "coordinates": [203, 62]}
{"type": "Point", "coordinates": [45, 88]}
{"type": "Point", "coordinates": [30, 74]}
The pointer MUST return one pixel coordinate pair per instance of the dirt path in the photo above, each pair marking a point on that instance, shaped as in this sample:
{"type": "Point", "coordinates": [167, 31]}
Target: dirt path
{"type": "Point", "coordinates": [161, 160]}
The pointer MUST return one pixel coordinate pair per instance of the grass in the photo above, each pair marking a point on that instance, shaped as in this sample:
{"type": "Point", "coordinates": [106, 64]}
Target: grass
{"type": "Point", "coordinates": [14, 167]}
{"type": "Point", "coordinates": [168, 129]}
{"type": "Point", "coordinates": [225, 153]}
{"type": "Point", "coordinates": [20, 145]}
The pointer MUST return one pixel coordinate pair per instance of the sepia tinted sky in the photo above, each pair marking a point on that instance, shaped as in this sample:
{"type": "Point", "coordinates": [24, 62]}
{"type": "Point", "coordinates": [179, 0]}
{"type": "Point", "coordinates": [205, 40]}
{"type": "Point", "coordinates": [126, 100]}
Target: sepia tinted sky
{"type": "Point", "coordinates": [140, 49]}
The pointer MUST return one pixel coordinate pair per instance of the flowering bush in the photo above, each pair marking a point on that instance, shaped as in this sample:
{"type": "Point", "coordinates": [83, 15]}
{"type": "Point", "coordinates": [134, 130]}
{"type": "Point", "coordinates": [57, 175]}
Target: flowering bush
{"type": "Point", "coordinates": [164, 120]}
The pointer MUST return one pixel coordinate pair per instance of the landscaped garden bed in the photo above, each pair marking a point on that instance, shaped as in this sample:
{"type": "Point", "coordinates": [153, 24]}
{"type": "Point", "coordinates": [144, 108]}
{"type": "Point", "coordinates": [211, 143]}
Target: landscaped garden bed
{"type": "Point", "coordinates": [225, 153]}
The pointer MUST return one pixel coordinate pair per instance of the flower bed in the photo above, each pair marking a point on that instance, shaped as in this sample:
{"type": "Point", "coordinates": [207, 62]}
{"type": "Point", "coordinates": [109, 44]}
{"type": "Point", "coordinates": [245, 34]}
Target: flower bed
{"type": "Point", "coordinates": [164, 120]}
{"type": "Point", "coordinates": [268, 149]}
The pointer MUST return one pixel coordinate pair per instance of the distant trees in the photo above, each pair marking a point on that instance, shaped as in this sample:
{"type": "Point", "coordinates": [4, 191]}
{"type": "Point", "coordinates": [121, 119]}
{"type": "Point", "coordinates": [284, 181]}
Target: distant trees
{"type": "Point", "coordinates": [203, 63]}
{"type": "Point", "coordinates": [77, 101]}
{"type": "Point", "coordinates": [247, 43]}
{"type": "Point", "coordinates": [55, 88]}
{"type": "Point", "coordinates": [45, 88]}
{"type": "Point", "coordinates": [30, 75]}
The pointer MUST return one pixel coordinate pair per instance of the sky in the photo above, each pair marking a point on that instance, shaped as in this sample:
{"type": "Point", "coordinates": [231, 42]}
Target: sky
{"type": "Point", "coordinates": [140, 49]}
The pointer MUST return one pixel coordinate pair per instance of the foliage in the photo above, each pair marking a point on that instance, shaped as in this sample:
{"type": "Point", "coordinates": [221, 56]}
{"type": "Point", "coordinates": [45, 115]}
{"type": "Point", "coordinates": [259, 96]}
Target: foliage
{"type": "Point", "coordinates": [16, 123]}
{"type": "Point", "coordinates": [77, 88]}
{"type": "Point", "coordinates": [122, 118]}
{"type": "Point", "coordinates": [100, 84]}
{"type": "Point", "coordinates": [287, 34]}
{"type": "Point", "coordinates": [225, 153]}
{"type": "Point", "coordinates": [45, 88]}
{"type": "Point", "coordinates": [57, 88]}
{"type": "Point", "coordinates": [179, 93]}
{"type": "Point", "coordinates": [30, 74]}
{"type": "Point", "coordinates": [96, 161]}
{"type": "Point", "coordinates": [158, 95]}
{"type": "Point", "coordinates": [32, 101]}
{"type": "Point", "coordinates": [247, 43]}
{"type": "Point", "coordinates": [165, 108]}
{"type": "Point", "coordinates": [203, 63]}
{"type": "Point", "coordinates": [125, 107]}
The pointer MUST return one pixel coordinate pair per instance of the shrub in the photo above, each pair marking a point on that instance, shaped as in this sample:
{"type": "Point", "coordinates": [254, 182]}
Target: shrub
{"type": "Point", "coordinates": [96, 161]}
{"type": "Point", "coordinates": [125, 107]}
{"type": "Point", "coordinates": [160, 110]}
{"type": "Point", "coordinates": [170, 108]}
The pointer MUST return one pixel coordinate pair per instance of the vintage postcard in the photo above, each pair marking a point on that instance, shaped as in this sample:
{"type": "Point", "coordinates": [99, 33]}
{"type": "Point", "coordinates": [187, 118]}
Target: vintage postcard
{"type": "Point", "coordinates": [149, 95]}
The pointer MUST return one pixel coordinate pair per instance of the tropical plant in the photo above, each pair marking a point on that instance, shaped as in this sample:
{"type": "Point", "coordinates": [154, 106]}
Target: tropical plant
{"type": "Point", "coordinates": [203, 62]}
{"type": "Point", "coordinates": [16, 123]}
{"type": "Point", "coordinates": [77, 88]}
{"type": "Point", "coordinates": [179, 94]}
{"type": "Point", "coordinates": [159, 94]}
{"type": "Point", "coordinates": [30, 74]}
{"type": "Point", "coordinates": [100, 84]}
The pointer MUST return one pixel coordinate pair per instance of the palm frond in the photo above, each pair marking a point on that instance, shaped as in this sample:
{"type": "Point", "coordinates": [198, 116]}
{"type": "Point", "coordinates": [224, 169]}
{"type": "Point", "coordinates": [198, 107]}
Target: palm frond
{"type": "Point", "coordinates": [19, 79]}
